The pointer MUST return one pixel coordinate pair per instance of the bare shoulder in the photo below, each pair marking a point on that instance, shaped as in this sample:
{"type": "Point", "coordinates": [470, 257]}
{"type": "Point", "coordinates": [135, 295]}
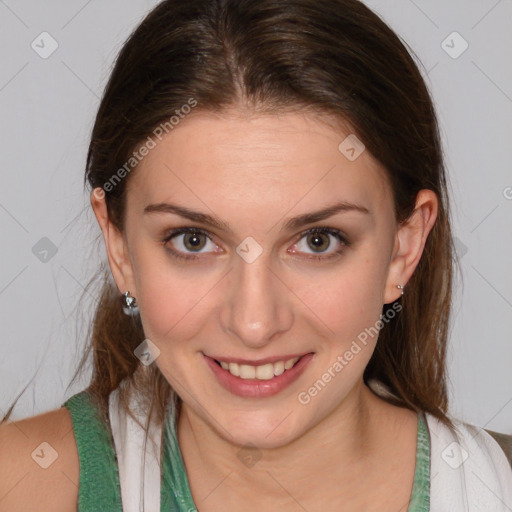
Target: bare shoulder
{"type": "Point", "coordinates": [39, 464]}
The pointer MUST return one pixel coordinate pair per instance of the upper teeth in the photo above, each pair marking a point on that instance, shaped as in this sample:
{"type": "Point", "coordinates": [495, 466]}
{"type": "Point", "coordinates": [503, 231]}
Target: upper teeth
{"type": "Point", "coordinates": [263, 372]}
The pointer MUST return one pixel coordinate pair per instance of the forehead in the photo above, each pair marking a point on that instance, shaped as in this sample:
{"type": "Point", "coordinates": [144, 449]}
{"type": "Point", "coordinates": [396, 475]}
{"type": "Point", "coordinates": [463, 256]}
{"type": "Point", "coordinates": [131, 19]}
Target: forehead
{"type": "Point", "coordinates": [275, 160]}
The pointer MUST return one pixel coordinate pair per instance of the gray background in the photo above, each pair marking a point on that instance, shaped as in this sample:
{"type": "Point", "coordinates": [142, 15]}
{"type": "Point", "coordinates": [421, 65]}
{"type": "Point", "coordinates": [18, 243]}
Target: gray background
{"type": "Point", "coordinates": [48, 106]}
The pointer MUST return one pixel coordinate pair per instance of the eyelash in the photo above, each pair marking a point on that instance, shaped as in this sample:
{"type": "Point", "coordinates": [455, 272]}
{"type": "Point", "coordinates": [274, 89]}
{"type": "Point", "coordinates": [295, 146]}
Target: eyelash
{"type": "Point", "coordinates": [325, 230]}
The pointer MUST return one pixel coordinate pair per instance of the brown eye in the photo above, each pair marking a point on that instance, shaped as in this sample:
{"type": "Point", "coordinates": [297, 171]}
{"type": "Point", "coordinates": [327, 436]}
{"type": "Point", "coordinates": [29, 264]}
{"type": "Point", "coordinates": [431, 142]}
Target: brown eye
{"type": "Point", "coordinates": [194, 241]}
{"type": "Point", "coordinates": [319, 242]}
{"type": "Point", "coordinates": [187, 242]}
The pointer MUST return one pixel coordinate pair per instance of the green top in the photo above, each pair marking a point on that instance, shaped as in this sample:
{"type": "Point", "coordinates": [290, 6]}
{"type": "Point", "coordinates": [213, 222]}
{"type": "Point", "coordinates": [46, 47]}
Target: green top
{"type": "Point", "coordinates": [99, 489]}
{"type": "Point", "coordinates": [420, 497]}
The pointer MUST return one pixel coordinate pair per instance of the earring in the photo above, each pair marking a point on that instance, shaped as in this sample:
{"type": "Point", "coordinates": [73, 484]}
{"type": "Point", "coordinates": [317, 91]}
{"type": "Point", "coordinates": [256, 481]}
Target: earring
{"type": "Point", "coordinates": [130, 307]}
{"type": "Point", "coordinates": [400, 287]}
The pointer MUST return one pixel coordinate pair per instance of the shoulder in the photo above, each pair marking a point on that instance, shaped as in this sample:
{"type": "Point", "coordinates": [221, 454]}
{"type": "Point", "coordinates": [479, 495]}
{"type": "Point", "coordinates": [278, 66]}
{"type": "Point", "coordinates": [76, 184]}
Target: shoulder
{"type": "Point", "coordinates": [494, 446]}
{"type": "Point", "coordinates": [505, 442]}
{"type": "Point", "coordinates": [497, 447]}
{"type": "Point", "coordinates": [470, 462]}
{"type": "Point", "coordinates": [39, 464]}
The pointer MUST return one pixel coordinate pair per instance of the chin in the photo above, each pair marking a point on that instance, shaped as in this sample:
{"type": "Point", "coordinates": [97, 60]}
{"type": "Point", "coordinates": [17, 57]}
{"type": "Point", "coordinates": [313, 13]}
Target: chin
{"type": "Point", "coordinates": [265, 431]}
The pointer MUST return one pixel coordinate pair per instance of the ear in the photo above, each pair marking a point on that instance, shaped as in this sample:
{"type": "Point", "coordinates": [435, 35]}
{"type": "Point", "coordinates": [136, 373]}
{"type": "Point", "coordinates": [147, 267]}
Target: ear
{"type": "Point", "coordinates": [115, 244]}
{"type": "Point", "coordinates": [410, 242]}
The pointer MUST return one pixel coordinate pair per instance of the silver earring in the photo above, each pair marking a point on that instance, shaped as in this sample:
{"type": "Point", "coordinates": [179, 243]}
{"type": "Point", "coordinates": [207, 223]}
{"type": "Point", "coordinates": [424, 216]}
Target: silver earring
{"type": "Point", "coordinates": [400, 287]}
{"type": "Point", "coordinates": [130, 307]}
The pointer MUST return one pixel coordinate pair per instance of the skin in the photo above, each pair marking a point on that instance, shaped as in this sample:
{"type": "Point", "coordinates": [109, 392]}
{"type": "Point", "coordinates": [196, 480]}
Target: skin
{"type": "Point", "coordinates": [346, 446]}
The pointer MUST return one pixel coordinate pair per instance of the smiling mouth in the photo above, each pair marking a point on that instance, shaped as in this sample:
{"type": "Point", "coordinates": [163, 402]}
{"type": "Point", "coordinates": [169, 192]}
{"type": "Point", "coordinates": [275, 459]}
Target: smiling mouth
{"type": "Point", "coordinates": [262, 372]}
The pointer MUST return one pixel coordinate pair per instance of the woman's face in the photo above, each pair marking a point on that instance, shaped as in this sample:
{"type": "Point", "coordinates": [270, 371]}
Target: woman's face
{"type": "Point", "coordinates": [255, 286]}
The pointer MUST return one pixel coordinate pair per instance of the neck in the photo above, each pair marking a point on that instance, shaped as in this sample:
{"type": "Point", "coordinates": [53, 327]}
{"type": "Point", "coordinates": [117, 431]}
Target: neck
{"type": "Point", "coordinates": [344, 443]}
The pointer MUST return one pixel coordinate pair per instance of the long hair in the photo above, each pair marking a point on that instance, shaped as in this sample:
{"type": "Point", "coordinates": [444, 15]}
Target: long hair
{"type": "Point", "coordinates": [333, 57]}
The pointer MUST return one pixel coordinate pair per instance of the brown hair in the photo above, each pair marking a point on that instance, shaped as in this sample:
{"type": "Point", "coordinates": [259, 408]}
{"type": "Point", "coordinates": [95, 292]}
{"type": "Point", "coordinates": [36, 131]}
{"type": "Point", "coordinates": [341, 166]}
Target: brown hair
{"type": "Point", "coordinates": [333, 57]}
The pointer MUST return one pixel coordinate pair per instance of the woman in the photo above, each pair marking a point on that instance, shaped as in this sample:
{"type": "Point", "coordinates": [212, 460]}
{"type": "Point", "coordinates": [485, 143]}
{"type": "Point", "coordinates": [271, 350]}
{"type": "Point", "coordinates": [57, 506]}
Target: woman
{"type": "Point", "coordinates": [269, 182]}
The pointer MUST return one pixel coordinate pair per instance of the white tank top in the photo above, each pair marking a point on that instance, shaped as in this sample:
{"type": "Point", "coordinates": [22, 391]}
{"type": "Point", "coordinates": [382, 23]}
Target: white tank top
{"type": "Point", "coordinates": [138, 462]}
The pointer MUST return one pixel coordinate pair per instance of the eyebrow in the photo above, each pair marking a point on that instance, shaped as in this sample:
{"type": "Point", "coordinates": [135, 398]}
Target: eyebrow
{"type": "Point", "coordinates": [291, 224]}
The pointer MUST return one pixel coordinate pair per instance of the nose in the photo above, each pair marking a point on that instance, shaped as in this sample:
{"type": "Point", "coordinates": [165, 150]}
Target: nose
{"type": "Point", "coordinates": [257, 306]}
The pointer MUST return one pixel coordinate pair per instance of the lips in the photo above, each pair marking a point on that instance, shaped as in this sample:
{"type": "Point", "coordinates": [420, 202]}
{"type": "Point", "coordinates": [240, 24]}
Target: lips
{"type": "Point", "coordinates": [248, 386]}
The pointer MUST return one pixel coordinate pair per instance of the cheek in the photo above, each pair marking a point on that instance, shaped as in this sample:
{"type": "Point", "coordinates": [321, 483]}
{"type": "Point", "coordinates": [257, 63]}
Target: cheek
{"type": "Point", "coordinates": [160, 292]}
{"type": "Point", "coordinates": [174, 301]}
{"type": "Point", "coordinates": [170, 311]}
{"type": "Point", "coordinates": [347, 301]}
